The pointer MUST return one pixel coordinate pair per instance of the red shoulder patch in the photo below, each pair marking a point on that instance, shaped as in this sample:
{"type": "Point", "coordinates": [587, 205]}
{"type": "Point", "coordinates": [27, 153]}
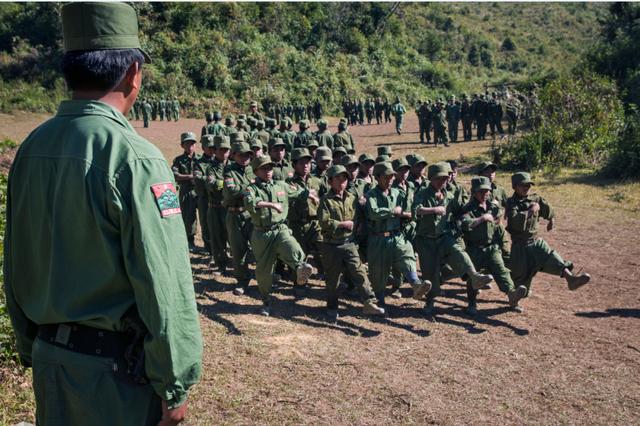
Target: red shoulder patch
{"type": "Point", "coordinates": [166, 198]}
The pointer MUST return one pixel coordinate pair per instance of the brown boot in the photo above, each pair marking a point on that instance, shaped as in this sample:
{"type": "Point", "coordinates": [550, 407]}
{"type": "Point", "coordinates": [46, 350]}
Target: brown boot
{"type": "Point", "coordinates": [421, 288]}
{"type": "Point", "coordinates": [516, 294]}
{"type": "Point", "coordinates": [370, 308]}
{"type": "Point", "coordinates": [576, 281]}
{"type": "Point", "coordinates": [479, 280]}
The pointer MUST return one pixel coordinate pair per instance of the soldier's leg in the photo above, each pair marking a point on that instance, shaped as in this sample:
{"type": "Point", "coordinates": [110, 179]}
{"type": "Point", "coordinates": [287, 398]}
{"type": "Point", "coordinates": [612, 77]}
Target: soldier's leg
{"type": "Point", "coordinates": [76, 389]}
{"type": "Point", "coordinates": [428, 256]}
{"type": "Point", "coordinates": [503, 243]}
{"type": "Point", "coordinates": [549, 260]}
{"type": "Point", "coordinates": [521, 265]}
{"type": "Point", "coordinates": [380, 261]}
{"type": "Point", "coordinates": [288, 250]}
{"type": "Point", "coordinates": [238, 243]}
{"type": "Point", "coordinates": [264, 246]}
{"type": "Point", "coordinates": [332, 261]}
{"type": "Point", "coordinates": [218, 236]}
{"type": "Point", "coordinates": [203, 205]}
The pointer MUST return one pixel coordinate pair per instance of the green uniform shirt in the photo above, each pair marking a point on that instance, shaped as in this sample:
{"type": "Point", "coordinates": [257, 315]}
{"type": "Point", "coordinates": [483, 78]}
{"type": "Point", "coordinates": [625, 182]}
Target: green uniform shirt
{"type": "Point", "coordinates": [305, 209]}
{"type": "Point", "coordinates": [94, 227]}
{"type": "Point", "coordinates": [379, 210]}
{"type": "Point", "coordinates": [215, 182]}
{"type": "Point", "coordinates": [216, 128]}
{"type": "Point", "coordinates": [324, 138]}
{"type": "Point", "coordinates": [520, 225]}
{"type": "Point", "coordinates": [282, 171]}
{"type": "Point", "coordinates": [236, 180]}
{"type": "Point", "coordinates": [345, 139]}
{"type": "Point", "coordinates": [433, 225]}
{"type": "Point", "coordinates": [183, 164]}
{"type": "Point", "coordinates": [485, 233]}
{"type": "Point", "coordinates": [303, 139]}
{"type": "Point", "coordinates": [200, 166]}
{"type": "Point", "coordinates": [333, 210]}
{"type": "Point", "coordinates": [498, 195]}
{"type": "Point", "coordinates": [273, 192]}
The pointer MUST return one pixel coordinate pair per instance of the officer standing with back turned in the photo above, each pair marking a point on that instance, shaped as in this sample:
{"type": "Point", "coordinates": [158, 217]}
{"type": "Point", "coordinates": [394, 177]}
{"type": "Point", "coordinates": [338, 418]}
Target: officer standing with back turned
{"type": "Point", "coordinates": [104, 310]}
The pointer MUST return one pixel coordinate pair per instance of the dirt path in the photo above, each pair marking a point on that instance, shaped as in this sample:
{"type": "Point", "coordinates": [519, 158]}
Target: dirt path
{"type": "Point", "coordinates": [571, 357]}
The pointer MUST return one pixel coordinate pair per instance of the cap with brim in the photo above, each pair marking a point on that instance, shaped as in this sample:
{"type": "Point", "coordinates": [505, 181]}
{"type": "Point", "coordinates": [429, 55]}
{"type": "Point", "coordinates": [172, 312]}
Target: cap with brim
{"type": "Point", "coordinates": [222, 141]}
{"type": "Point", "coordinates": [100, 26]}
{"type": "Point", "coordinates": [188, 136]}
{"type": "Point", "coordinates": [276, 142]}
{"type": "Point", "coordinates": [283, 123]}
{"type": "Point", "coordinates": [366, 157]}
{"type": "Point", "coordinates": [299, 153]}
{"type": "Point", "coordinates": [304, 124]}
{"type": "Point", "coordinates": [437, 170]}
{"type": "Point", "coordinates": [241, 148]}
{"type": "Point", "coordinates": [322, 122]}
{"type": "Point", "coordinates": [256, 143]}
{"type": "Point", "coordinates": [323, 155]}
{"type": "Point", "coordinates": [237, 137]}
{"type": "Point", "coordinates": [242, 116]}
{"type": "Point", "coordinates": [313, 144]}
{"type": "Point", "coordinates": [384, 150]}
{"type": "Point", "coordinates": [446, 166]}
{"type": "Point", "coordinates": [480, 182]}
{"type": "Point", "coordinates": [258, 162]}
{"type": "Point", "coordinates": [487, 164]}
{"type": "Point", "coordinates": [400, 163]}
{"type": "Point", "coordinates": [253, 104]}
{"type": "Point", "coordinates": [521, 178]}
{"type": "Point", "coordinates": [348, 160]}
{"type": "Point", "coordinates": [382, 158]}
{"type": "Point", "coordinates": [414, 159]}
{"type": "Point", "coordinates": [339, 149]}
{"type": "Point", "coordinates": [337, 170]}
{"type": "Point", "coordinates": [383, 169]}
{"type": "Point", "coordinates": [207, 141]}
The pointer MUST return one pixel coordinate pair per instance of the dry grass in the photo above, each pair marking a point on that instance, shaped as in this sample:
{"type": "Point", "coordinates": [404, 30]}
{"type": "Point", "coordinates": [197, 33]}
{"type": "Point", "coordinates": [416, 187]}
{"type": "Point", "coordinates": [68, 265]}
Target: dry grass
{"type": "Point", "coordinates": [570, 358]}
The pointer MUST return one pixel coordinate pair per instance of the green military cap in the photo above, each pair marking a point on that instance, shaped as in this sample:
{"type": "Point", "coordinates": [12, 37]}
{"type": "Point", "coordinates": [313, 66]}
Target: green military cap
{"type": "Point", "coordinates": [221, 141]}
{"type": "Point", "coordinates": [304, 124]}
{"type": "Point", "coordinates": [313, 143]}
{"type": "Point", "coordinates": [100, 26]}
{"type": "Point", "coordinates": [260, 123]}
{"type": "Point", "coordinates": [385, 150]}
{"type": "Point", "coordinates": [323, 153]}
{"type": "Point", "coordinates": [464, 96]}
{"type": "Point", "coordinates": [237, 137]}
{"type": "Point", "coordinates": [258, 162]}
{"type": "Point", "coordinates": [400, 163]}
{"type": "Point", "coordinates": [299, 153]}
{"type": "Point", "coordinates": [229, 120]}
{"type": "Point", "coordinates": [252, 121]}
{"type": "Point", "coordinates": [276, 142]}
{"type": "Point", "coordinates": [485, 165]}
{"type": "Point", "coordinates": [383, 168]}
{"type": "Point", "coordinates": [241, 147]}
{"type": "Point", "coordinates": [382, 158]}
{"type": "Point", "coordinates": [240, 121]}
{"type": "Point", "coordinates": [343, 120]}
{"type": "Point", "coordinates": [207, 141]}
{"type": "Point", "coordinates": [270, 121]}
{"type": "Point", "coordinates": [187, 136]}
{"type": "Point", "coordinates": [284, 122]}
{"type": "Point", "coordinates": [322, 122]}
{"type": "Point", "coordinates": [337, 170]}
{"type": "Point", "coordinates": [217, 115]}
{"type": "Point", "coordinates": [447, 166]}
{"type": "Point", "coordinates": [339, 149]}
{"type": "Point", "coordinates": [480, 182]}
{"type": "Point", "coordinates": [414, 159]}
{"type": "Point", "coordinates": [208, 116]}
{"type": "Point", "coordinates": [521, 178]}
{"type": "Point", "coordinates": [438, 170]}
{"type": "Point", "coordinates": [253, 104]}
{"type": "Point", "coordinates": [366, 157]}
{"type": "Point", "coordinates": [242, 116]}
{"type": "Point", "coordinates": [348, 160]}
{"type": "Point", "coordinates": [256, 143]}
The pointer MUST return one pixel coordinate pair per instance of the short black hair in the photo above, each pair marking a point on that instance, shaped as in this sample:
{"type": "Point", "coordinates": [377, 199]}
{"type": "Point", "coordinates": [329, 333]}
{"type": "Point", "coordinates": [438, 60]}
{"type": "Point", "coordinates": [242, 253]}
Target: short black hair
{"type": "Point", "coordinates": [98, 69]}
{"type": "Point", "coordinates": [453, 164]}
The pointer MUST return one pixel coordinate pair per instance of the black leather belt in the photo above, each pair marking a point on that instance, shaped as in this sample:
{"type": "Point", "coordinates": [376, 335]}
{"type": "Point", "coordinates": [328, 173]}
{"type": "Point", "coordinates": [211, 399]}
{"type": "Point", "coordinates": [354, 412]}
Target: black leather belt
{"type": "Point", "coordinates": [385, 234]}
{"type": "Point", "coordinates": [83, 339]}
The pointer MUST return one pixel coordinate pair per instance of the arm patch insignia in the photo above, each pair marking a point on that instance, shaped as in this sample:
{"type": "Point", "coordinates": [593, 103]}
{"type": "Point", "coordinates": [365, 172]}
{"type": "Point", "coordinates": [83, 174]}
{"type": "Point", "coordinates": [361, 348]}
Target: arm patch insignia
{"type": "Point", "coordinates": [166, 198]}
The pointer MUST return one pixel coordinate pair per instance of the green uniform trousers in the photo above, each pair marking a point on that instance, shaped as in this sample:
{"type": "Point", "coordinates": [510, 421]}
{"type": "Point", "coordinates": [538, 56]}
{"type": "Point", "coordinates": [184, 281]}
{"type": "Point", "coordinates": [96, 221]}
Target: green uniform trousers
{"type": "Point", "coordinates": [433, 253]}
{"type": "Point", "coordinates": [489, 260]}
{"type": "Point", "coordinates": [399, 122]}
{"type": "Point", "coordinates": [269, 246]}
{"type": "Point", "coordinates": [527, 258]}
{"type": "Point", "coordinates": [387, 254]}
{"type": "Point", "coordinates": [239, 229]}
{"type": "Point", "coordinates": [188, 206]}
{"type": "Point", "coordinates": [216, 223]}
{"type": "Point", "coordinates": [202, 206]}
{"type": "Point", "coordinates": [309, 237]}
{"type": "Point", "coordinates": [344, 259]}
{"type": "Point", "coordinates": [77, 389]}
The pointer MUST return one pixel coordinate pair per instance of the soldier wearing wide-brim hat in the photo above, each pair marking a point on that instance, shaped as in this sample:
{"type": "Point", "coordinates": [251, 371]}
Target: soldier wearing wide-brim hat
{"type": "Point", "coordinates": [434, 209]}
{"type": "Point", "coordinates": [271, 238]}
{"type": "Point", "coordinates": [387, 247]}
{"type": "Point", "coordinates": [529, 253]}
{"type": "Point", "coordinates": [339, 216]}
{"type": "Point", "coordinates": [479, 224]}
{"type": "Point", "coordinates": [108, 267]}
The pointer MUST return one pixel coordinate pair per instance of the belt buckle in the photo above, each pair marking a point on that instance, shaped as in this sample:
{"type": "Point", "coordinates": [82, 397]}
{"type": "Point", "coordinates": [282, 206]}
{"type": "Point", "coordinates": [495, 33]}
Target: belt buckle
{"type": "Point", "coordinates": [62, 334]}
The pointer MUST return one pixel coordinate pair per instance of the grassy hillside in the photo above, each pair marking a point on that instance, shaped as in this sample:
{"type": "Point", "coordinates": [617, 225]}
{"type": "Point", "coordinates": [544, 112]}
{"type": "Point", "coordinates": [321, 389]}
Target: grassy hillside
{"type": "Point", "coordinates": [221, 54]}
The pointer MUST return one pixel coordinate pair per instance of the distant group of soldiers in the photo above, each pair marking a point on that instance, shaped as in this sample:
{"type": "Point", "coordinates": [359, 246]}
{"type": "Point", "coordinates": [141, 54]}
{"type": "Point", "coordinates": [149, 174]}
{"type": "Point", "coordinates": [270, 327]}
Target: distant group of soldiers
{"type": "Point", "coordinates": [297, 111]}
{"type": "Point", "coordinates": [300, 197]}
{"type": "Point", "coordinates": [357, 110]}
{"type": "Point", "coordinates": [155, 109]}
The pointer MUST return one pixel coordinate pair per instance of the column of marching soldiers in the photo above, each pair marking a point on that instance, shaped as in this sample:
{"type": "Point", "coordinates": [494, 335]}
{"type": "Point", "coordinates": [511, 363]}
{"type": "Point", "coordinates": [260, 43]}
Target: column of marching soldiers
{"type": "Point", "coordinates": [294, 197]}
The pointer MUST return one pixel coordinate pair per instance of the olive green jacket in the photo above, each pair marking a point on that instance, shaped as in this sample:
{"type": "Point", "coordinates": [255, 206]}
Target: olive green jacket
{"type": "Point", "coordinates": [93, 228]}
{"type": "Point", "coordinates": [484, 234]}
{"type": "Point", "coordinates": [332, 211]}
{"type": "Point", "coordinates": [236, 181]}
{"type": "Point", "coordinates": [273, 192]}
{"type": "Point", "coordinates": [520, 225]}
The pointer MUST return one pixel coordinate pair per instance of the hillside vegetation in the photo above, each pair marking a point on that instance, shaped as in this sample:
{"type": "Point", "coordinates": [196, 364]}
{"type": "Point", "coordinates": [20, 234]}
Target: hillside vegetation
{"type": "Point", "coordinates": [223, 54]}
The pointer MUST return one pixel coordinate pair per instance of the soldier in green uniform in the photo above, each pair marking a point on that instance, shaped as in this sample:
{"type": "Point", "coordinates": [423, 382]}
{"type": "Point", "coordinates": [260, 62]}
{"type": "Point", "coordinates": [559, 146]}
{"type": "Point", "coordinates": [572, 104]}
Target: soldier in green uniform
{"type": "Point", "coordinates": [216, 213]}
{"type": "Point", "coordinates": [498, 196]}
{"type": "Point", "coordinates": [323, 135]}
{"type": "Point", "coordinates": [529, 253]}
{"type": "Point", "coordinates": [338, 216]}
{"type": "Point", "coordinates": [257, 147]}
{"type": "Point", "coordinates": [175, 108]}
{"type": "Point", "coordinates": [208, 118]}
{"type": "Point", "coordinates": [459, 191]}
{"type": "Point", "coordinates": [183, 173]}
{"type": "Point", "coordinates": [466, 113]}
{"type": "Point", "coordinates": [304, 136]}
{"type": "Point", "coordinates": [93, 207]}
{"type": "Point", "coordinates": [387, 247]}
{"type": "Point", "coordinates": [282, 169]}
{"type": "Point", "coordinates": [343, 138]}
{"type": "Point", "coordinates": [303, 212]}
{"type": "Point", "coordinates": [229, 127]}
{"type": "Point", "coordinates": [418, 165]}
{"type": "Point", "coordinates": [479, 224]}
{"type": "Point", "coordinates": [287, 136]}
{"type": "Point", "coordinates": [453, 118]}
{"type": "Point", "coordinates": [267, 201]}
{"type": "Point", "coordinates": [146, 112]}
{"type": "Point", "coordinates": [261, 133]}
{"type": "Point", "coordinates": [513, 112]}
{"type": "Point", "coordinates": [163, 108]}
{"type": "Point", "coordinates": [200, 166]}
{"type": "Point", "coordinates": [439, 124]}
{"type": "Point", "coordinates": [270, 126]}
{"type": "Point", "coordinates": [398, 111]}
{"type": "Point", "coordinates": [215, 127]}
{"type": "Point", "coordinates": [366, 169]}
{"type": "Point", "coordinates": [433, 210]}
{"type": "Point", "coordinates": [237, 177]}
